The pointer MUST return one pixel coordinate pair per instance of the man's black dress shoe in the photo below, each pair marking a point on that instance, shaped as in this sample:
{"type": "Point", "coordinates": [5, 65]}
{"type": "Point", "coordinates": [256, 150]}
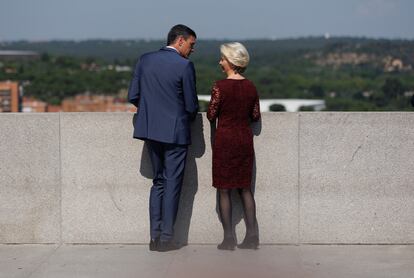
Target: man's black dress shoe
{"type": "Point", "coordinates": [154, 244]}
{"type": "Point", "coordinates": [165, 246]}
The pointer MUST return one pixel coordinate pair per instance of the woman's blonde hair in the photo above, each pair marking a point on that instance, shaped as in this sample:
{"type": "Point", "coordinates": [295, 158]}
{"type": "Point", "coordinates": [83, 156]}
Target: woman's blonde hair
{"type": "Point", "coordinates": [236, 54]}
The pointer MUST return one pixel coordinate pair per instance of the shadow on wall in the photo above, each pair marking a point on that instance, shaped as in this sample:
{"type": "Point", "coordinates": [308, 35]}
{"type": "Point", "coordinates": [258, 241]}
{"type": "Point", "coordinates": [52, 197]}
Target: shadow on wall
{"type": "Point", "coordinates": [190, 184]}
{"type": "Point", "coordinates": [237, 207]}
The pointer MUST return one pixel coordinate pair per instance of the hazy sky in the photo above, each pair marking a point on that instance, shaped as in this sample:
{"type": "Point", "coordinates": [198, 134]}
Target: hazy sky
{"type": "Point", "coordinates": [231, 19]}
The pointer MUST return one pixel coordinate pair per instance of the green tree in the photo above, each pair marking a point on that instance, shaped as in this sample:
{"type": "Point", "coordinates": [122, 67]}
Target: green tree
{"type": "Point", "coordinates": [203, 105]}
{"type": "Point", "coordinates": [379, 99]}
{"type": "Point", "coordinates": [348, 105]}
{"type": "Point", "coordinates": [306, 108]}
{"type": "Point", "coordinates": [277, 107]}
{"type": "Point", "coordinates": [392, 88]}
{"type": "Point", "coordinates": [317, 91]}
{"type": "Point", "coordinates": [45, 57]}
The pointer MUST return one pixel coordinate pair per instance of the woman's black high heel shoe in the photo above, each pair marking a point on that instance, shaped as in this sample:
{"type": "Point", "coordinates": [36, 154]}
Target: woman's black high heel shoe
{"type": "Point", "coordinates": [227, 244]}
{"type": "Point", "coordinates": [251, 242]}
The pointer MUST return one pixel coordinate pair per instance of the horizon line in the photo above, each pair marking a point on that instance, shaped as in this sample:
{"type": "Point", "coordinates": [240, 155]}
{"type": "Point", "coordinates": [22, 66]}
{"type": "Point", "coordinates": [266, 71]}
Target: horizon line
{"type": "Point", "coordinates": [323, 36]}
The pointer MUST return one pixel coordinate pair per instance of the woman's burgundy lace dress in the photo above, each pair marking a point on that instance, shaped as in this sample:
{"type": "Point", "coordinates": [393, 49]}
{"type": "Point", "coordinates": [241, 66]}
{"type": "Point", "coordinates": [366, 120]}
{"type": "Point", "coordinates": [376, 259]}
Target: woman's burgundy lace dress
{"type": "Point", "coordinates": [234, 102]}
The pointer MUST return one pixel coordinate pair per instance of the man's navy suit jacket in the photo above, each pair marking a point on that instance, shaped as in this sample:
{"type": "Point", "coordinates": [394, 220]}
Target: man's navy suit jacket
{"type": "Point", "coordinates": [163, 88]}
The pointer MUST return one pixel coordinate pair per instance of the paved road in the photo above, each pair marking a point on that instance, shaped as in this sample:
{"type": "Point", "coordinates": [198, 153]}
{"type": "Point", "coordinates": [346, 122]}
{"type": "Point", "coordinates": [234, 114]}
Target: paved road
{"type": "Point", "coordinates": [135, 261]}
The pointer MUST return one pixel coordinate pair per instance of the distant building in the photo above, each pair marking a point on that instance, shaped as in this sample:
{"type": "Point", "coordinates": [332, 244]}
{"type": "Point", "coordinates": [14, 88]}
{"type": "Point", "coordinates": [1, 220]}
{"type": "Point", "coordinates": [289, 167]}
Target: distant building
{"type": "Point", "coordinates": [96, 103]}
{"type": "Point", "coordinates": [291, 105]}
{"type": "Point", "coordinates": [30, 105]}
{"type": "Point", "coordinates": [332, 94]}
{"type": "Point", "coordinates": [395, 65]}
{"type": "Point", "coordinates": [11, 55]}
{"type": "Point", "coordinates": [123, 69]}
{"type": "Point", "coordinates": [367, 94]}
{"type": "Point", "coordinates": [409, 93]}
{"type": "Point", "coordinates": [80, 103]}
{"type": "Point", "coordinates": [54, 108]}
{"type": "Point", "coordinates": [10, 97]}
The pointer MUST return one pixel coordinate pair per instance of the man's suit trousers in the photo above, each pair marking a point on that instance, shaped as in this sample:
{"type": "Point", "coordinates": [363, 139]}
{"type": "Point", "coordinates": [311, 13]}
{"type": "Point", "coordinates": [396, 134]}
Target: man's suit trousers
{"type": "Point", "coordinates": [168, 164]}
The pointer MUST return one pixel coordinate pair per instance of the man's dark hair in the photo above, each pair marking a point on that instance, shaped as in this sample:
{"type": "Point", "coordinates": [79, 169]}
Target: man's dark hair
{"type": "Point", "coordinates": [179, 30]}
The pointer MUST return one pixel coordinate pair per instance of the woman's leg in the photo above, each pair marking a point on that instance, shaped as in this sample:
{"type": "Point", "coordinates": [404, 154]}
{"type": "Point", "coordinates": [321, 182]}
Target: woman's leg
{"type": "Point", "coordinates": [249, 207]}
{"type": "Point", "coordinates": [225, 209]}
{"type": "Point", "coordinates": [251, 241]}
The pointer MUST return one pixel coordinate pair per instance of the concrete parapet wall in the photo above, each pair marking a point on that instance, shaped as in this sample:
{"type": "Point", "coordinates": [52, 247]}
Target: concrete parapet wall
{"type": "Point", "coordinates": [318, 178]}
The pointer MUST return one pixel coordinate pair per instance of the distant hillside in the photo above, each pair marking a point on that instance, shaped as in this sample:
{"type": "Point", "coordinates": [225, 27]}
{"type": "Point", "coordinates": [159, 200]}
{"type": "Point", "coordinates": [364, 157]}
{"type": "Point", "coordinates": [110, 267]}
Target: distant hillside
{"type": "Point", "coordinates": [129, 49]}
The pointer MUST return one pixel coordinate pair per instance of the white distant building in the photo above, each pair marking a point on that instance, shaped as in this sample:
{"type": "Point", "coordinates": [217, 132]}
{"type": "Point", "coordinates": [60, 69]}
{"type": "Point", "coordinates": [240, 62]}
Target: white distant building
{"type": "Point", "coordinates": [122, 68]}
{"type": "Point", "coordinates": [18, 55]}
{"type": "Point", "coordinates": [291, 105]}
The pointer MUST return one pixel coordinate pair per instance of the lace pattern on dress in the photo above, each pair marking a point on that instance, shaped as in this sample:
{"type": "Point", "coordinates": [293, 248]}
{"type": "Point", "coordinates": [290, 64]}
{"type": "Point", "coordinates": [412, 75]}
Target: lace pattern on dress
{"type": "Point", "coordinates": [214, 105]}
{"type": "Point", "coordinates": [256, 110]}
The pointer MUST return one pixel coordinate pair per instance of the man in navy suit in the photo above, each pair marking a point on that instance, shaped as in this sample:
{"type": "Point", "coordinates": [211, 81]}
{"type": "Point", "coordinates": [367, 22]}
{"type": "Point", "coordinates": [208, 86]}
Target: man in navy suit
{"type": "Point", "coordinates": [163, 89]}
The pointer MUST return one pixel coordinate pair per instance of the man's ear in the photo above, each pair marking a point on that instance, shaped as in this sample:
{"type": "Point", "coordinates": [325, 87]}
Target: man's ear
{"type": "Point", "coordinates": [180, 40]}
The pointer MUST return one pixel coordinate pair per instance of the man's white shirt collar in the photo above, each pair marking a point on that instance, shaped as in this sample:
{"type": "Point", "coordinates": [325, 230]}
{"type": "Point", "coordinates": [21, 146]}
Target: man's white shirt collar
{"type": "Point", "coordinates": [172, 47]}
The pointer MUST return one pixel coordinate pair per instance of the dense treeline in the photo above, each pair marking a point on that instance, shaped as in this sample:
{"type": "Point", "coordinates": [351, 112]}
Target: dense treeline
{"type": "Point", "coordinates": [351, 74]}
{"type": "Point", "coordinates": [54, 78]}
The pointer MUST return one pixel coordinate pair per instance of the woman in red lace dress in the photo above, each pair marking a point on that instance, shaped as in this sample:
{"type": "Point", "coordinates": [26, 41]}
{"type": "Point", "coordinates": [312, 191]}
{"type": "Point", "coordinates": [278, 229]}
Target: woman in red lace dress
{"type": "Point", "coordinates": [234, 102]}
